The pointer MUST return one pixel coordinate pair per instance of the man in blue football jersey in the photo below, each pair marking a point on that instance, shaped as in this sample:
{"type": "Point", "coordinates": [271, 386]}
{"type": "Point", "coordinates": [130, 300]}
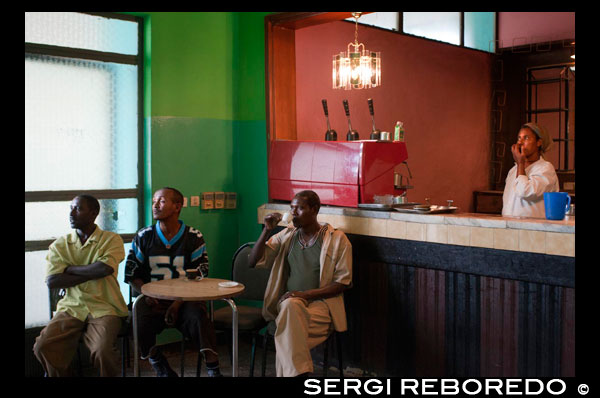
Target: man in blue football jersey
{"type": "Point", "coordinates": [162, 251]}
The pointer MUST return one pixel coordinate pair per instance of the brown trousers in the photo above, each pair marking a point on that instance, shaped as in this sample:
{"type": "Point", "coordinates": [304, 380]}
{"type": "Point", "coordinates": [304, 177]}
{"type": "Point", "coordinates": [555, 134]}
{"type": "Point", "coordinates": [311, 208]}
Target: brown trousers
{"type": "Point", "coordinates": [301, 326]}
{"type": "Point", "coordinates": [57, 344]}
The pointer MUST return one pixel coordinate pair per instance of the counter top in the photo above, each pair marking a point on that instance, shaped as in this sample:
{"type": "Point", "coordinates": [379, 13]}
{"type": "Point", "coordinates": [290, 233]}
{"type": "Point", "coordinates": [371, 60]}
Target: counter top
{"type": "Point", "coordinates": [465, 229]}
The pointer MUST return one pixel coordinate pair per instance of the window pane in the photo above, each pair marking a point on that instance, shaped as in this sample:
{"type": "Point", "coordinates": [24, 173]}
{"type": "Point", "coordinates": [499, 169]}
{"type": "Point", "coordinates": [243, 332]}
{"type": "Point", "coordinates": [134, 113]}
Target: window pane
{"type": "Point", "coordinates": [81, 133]}
{"type": "Point", "coordinates": [46, 220]}
{"type": "Point", "coordinates": [385, 20]}
{"type": "Point", "coordinates": [121, 277]}
{"type": "Point", "coordinates": [118, 215]}
{"type": "Point", "coordinates": [80, 124]}
{"type": "Point", "coordinates": [442, 26]}
{"type": "Point", "coordinates": [37, 305]}
{"type": "Point", "coordinates": [480, 28]}
{"type": "Point", "coordinates": [71, 29]}
{"type": "Point", "coordinates": [49, 220]}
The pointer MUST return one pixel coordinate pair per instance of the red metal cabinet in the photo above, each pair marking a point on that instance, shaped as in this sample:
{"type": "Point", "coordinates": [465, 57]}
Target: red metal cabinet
{"type": "Point", "coordinates": [341, 173]}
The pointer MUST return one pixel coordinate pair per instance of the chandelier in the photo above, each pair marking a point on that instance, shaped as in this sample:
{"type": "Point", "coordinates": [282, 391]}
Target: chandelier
{"type": "Point", "coordinates": [357, 67]}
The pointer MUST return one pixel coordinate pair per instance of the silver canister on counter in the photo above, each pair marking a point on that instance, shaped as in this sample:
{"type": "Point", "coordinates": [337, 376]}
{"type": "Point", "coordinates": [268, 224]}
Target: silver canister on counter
{"type": "Point", "coordinates": [385, 136]}
{"type": "Point", "coordinates": [570, 214]}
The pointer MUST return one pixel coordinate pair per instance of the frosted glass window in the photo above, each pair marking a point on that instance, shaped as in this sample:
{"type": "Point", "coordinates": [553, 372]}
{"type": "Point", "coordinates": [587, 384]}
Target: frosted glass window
{"type": "Point", "coordinates": [81, 133]}
{"type": "Point", "coordinates": [118, 215]}
{"type": "Point", "coordinates": [46, 220]}
{"type": "Point", "coordinates": [80, 124]}
{"type": "Point", "coordinates": [385, 20]}
{"type": "Point", "coordinates": [76, 30]}
{"type": "Point", "coordinates": [442, 26]}
{"type": "Point", "coordinates": [37, 303]}
{"type": "Point", "coordinates": [480, 30]}
{"type": "Point", "coordinates": [121, 276]}
{"type": "Point", "coordinates": [49, 220]}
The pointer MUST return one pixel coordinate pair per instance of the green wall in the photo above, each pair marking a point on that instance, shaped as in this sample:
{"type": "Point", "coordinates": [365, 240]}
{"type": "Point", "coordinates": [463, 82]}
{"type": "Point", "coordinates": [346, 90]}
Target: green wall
{"type": "Point", "coordinates": [205, 127]}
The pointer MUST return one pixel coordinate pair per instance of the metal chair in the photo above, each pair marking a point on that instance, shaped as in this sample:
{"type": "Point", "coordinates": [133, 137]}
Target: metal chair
{"type": "Point", "coordinates": [250, 319]}
{"type": "Point", "coordinates": [337, 336]}
{"type": "Point", "coordinates": [55, 295]}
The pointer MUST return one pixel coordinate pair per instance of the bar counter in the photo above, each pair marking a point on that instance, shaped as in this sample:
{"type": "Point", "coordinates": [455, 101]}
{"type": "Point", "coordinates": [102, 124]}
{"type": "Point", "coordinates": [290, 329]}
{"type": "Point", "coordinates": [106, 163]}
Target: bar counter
{"type": "Point", "coordinates": [465, 229]}
{"type": "Point", "coordinates": [456, 294]}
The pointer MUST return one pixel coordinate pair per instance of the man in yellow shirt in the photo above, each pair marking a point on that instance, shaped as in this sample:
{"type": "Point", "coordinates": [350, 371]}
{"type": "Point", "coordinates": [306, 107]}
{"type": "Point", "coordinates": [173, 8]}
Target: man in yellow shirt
{"type": "Point", "coordinates": [85, 263]}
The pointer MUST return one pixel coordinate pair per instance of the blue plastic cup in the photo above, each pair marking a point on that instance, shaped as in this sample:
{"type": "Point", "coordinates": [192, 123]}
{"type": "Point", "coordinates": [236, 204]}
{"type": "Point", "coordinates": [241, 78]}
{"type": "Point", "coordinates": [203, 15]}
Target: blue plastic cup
{"type": "Point", "coordinates": [556, 205]}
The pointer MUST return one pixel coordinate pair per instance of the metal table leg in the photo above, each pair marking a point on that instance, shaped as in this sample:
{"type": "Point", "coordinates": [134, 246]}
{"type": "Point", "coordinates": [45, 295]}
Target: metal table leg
{"type": "Point", "coordinates": [136, 357]}
{"type": "Point", "coordinates": [234, 365]}
{"type": "Point", "coordinates": [234, 344]}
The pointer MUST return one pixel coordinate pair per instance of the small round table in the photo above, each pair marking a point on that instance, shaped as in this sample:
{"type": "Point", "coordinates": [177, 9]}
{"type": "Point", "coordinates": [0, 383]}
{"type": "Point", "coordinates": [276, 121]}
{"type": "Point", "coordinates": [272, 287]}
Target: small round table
{"type": "Point", "coordinates": [189, 290]}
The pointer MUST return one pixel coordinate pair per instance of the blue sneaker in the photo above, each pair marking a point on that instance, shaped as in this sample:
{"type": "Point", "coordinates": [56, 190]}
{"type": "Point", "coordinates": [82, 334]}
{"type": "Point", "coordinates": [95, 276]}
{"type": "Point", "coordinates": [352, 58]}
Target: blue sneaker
{"type": "Point", "coordinates": [213, 372]}
{"type": "Point", "coordinates": [212, 369]}
{"type": "Point", "coordinates": [161, 366]}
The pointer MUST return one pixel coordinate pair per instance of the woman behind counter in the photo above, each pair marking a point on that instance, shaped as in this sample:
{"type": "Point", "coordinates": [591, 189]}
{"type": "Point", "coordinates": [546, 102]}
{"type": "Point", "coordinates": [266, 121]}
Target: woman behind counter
{"type": "Point", "coordinates": [531, 175]}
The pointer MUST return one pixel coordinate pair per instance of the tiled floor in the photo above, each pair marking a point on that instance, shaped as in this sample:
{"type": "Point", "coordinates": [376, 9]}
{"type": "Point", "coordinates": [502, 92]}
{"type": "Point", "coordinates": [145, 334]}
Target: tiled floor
{"type": "Point", "coordinates": [172, 352]}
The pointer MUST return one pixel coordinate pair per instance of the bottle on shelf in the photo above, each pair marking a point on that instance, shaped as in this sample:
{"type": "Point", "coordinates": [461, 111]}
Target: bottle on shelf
{"type": "Point", "coordinates": [399, 132]}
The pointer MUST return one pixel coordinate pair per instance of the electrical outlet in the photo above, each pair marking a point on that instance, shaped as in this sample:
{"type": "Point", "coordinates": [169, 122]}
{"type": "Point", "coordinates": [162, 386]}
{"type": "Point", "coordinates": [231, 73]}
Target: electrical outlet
{"type": "Point", "coordinates": [208, 200]}
{"type": "Point", "coordinates": [195, 200]}
{"type": "Point", "coordinates": [184, 201]}
{"type": "Point", "coordinates": [230, 200]}
{"type": "Point", "coordinates": [219, 200]}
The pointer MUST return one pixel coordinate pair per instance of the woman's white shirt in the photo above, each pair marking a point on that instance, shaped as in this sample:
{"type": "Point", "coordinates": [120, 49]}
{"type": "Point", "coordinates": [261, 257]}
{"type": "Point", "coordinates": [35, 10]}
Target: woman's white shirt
{"type": "Point", "coordinates": [524, 195]}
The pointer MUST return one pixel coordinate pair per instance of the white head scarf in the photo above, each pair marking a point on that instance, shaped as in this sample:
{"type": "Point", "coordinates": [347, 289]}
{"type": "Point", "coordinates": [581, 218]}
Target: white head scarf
{"type": "Point", "coordinates": [542, 133]}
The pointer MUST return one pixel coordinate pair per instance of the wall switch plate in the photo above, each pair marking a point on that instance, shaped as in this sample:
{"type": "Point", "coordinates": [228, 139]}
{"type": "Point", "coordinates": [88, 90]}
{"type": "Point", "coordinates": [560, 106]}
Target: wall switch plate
{"type": "Point", "coordinates": [208, 200]}
{"type": "Point", "coordinates": [219, 200]}
{"type": "Point", "coordinates": [194, 200]}
{"type": "Point", "coordinates": [184, 201]}
{"type": "Point", "coordinates": [230, 200]}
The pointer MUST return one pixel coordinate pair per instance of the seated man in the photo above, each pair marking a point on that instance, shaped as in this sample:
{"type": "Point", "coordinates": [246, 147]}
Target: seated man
{"type": "Point", "coordinates": [311, 266]}
{"type": "Point", "coordinates": [85, 263]}
{"type": "Point", "coordinates": [162, 251]}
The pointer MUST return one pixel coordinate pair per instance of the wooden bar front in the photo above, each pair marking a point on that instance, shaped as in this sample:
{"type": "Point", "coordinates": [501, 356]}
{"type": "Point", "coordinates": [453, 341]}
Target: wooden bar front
{"type": "Point", "coordinates": [421, 308]}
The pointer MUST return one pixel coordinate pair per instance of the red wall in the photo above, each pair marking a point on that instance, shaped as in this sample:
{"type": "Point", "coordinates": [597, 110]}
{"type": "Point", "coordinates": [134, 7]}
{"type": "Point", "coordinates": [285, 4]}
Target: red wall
{"type": "Point", "coordinates": [441, 93]}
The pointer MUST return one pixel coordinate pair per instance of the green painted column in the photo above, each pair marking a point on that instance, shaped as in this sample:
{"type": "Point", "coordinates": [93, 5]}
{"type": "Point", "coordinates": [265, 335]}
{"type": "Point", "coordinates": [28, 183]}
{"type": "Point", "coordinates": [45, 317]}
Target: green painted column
{"type": "Point", "coordinates": [205, 127]}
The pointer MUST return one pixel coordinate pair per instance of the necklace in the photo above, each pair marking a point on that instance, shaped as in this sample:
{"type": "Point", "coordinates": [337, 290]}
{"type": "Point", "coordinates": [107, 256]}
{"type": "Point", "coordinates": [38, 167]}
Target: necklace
{"type": "Point", "coordinates": [304, 244]}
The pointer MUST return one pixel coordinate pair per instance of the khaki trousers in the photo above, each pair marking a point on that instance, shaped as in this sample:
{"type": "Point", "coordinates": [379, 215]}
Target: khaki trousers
{"type": "Point", "coordinates": [301, 326]}
{"type": "Point", "coordinates": [57, 344]}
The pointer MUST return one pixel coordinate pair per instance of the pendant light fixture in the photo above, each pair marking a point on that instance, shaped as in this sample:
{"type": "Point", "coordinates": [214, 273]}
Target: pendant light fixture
{"type": "Point", "coordinates": [357, 67]}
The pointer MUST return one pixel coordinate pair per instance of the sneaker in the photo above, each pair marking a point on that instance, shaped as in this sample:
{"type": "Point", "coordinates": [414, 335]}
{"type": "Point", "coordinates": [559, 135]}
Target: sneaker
{"type": "Point", "coordinates": [162, 368]}
{"type": "Point", "coordinates": [212, 369]}
{"type": "Point", "coordinates": [213, 372]}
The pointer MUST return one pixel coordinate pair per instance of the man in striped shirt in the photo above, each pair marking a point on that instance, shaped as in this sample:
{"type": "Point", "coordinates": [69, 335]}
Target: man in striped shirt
{"type": "Point", "coordinates": [162, 251]}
